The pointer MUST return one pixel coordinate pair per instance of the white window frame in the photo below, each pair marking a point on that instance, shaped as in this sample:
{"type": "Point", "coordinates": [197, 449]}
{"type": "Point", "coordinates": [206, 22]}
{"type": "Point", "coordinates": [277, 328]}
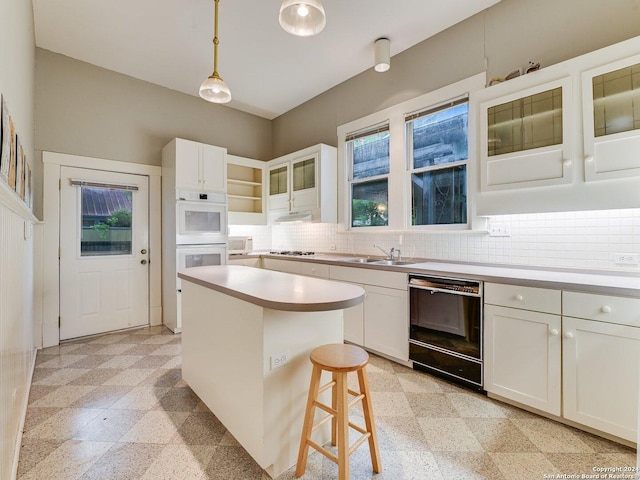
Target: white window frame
{"type": "Point", "coordinates": [399, 208]}
{"type": "Point", "coordinates": [445, 166]}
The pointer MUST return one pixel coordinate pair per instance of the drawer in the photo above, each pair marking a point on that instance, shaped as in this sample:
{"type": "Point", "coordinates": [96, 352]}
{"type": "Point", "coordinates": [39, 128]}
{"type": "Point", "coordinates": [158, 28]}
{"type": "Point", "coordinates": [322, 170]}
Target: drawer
{"type": "Point", "coordinates": [603, 308]}
{"type": "Point", "coordinates": [314, 269]}
{"type": "Point", "coordinates": [287, 266]}
{"type": "Point", "coordinates": [526, 298]}
{"type": "Point", "coordinates": [369, 276]}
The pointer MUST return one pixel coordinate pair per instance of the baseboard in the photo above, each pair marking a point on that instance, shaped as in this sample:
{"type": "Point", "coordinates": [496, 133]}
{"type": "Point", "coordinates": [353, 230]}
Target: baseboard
{"type": "Point", "coordinates": [23, 417]}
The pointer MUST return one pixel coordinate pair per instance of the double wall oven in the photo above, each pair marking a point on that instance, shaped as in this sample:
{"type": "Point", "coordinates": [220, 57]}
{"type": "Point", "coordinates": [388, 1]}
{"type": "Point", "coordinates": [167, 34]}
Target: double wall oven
{"type": "Point", "coordinates": [445, 334]}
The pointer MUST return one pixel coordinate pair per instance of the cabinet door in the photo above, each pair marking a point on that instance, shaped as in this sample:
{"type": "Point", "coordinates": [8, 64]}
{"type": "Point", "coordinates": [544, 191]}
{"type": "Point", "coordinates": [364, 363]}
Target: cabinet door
{"type": "Point", "coordinates": [354, 324]}
{"type": "Point", "coordinates": [187, 165]}
{"type": "Point", "coordinates": [601, 369]}
{"type": "Point", "coordinates": [279, 188]}
{"type": "Point", "coordinates": [611, 109]}
{"type": "Point", "coordinates": [522, 356]}
{"type": "Point", "coordinates": [304, 194]}
{"type": "Point", "coordinates": [386, 321]}
{"type": "Point", "coordinates": [212, 168]}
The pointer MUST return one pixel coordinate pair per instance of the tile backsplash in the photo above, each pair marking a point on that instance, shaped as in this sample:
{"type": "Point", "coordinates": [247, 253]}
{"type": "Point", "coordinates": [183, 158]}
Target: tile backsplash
{"type": "Point", "coordinates": [589, 240]}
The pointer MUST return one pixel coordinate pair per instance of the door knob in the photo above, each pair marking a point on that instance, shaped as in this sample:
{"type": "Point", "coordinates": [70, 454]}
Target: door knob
{"type": "Point", "coordinates": [143, 262]}
{"type": "Point", "coordinates": [143, 251]}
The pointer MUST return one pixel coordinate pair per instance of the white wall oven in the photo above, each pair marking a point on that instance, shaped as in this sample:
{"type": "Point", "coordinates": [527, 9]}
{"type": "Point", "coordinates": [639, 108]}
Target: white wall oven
{"type": "Point", "coordinates": [201, 218]}
{"type": "Point", "coordinates": [188, 256]}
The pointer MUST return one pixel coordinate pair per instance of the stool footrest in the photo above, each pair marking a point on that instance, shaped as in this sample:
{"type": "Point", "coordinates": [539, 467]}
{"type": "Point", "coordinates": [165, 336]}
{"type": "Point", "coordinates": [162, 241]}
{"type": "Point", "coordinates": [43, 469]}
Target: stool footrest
{"type": "Point", "coordinates": [323, 451]}
{"type": "Point", "coordinates": [326, 387]}
{"type": "Point", "coordinates": [321, 422]}
{"type": "Point", "coordinates": [359, 441]}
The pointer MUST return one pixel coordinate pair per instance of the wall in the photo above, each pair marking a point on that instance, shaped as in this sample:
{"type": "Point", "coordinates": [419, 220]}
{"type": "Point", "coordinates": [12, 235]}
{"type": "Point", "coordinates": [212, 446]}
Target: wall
{"type": "Point", "coordinates": [499, 40]}
{"type": "Point", "coordinates": [17, 51]}
{"type": "Point", "coordinates": [85, 110]}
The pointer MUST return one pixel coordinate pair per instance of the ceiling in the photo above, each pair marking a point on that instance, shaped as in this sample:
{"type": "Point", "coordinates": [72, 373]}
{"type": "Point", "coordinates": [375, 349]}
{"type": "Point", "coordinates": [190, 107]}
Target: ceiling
{"type": "Point", "coordinates": [168, 42]}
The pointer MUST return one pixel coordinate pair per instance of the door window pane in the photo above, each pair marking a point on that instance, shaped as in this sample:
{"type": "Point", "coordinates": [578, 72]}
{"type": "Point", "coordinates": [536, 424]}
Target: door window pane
{"type": "Point", "coordinates": [304, 174]}
{"type": "Point", "coordinates": [369, 206]}
{"type": "Point", "coordinates": [278, 181]}
{"type": "Point", "coordinates": [616, 101]}
{"type": "Point", "coordinates": [529, 122]}
{"type": "Point", "coordinates": [439, 197]}
{"type": "Point", "coordinates": [106, 221]}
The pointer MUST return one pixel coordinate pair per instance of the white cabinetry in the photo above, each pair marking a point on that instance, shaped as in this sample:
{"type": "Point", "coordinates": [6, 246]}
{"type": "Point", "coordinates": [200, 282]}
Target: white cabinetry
{"type": "Point", "coordinates": [583, 366]}
{"type": "Point", "coordinates": [523, 345]}
{"type": "Point", "coordinates": [247, 262]}
{"type": "Point", "coordinates": [197, 166]}
{"type": "Point", "coordinates": [304, 184]}
{"type": "Point", "coordinates": [382, 325]}
{"type": "Point", "coordinates": [245, 182]}
{"type": "Point", "coordinates": [309, 269]}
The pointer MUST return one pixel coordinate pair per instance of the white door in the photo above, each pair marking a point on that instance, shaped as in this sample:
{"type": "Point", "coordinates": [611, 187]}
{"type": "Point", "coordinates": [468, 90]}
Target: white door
{"type": "Point", "coordinates": [104, 242]}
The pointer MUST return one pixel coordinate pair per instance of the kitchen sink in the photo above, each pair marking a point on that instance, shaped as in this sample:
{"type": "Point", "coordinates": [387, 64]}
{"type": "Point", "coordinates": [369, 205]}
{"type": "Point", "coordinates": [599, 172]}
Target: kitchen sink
{"type": "Point", "coordinates": [362, 260]}
{"type": "Point", "coordinates": [390, 262]}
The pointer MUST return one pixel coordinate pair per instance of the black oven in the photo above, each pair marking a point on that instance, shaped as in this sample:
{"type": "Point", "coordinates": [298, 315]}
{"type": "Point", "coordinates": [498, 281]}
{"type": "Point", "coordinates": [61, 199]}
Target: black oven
{"type": "Point", "coordinates": [446, 327]}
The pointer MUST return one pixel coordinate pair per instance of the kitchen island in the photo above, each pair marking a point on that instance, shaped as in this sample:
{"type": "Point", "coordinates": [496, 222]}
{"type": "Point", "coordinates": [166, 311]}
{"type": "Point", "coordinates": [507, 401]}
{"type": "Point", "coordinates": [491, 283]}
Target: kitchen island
{"type": "Point", "coordinates": [246, 338]}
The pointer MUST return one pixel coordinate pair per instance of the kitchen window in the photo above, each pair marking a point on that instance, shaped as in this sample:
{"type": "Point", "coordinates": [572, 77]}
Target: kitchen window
{"type": "Point", "coordinates": [367, 152]}
{"type": "Point", "coordinates": [438, 154]}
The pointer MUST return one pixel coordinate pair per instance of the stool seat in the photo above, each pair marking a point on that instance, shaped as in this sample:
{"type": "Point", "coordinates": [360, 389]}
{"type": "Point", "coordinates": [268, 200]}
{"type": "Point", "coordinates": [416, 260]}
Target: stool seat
{"type": "Point", "coordinates": [338, 357]}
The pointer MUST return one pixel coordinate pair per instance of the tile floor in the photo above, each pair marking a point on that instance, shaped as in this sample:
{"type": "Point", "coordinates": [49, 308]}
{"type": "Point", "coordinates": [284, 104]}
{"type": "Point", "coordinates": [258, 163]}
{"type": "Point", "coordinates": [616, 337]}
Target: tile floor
{"type": "Point", "coordinates": [115, 407]}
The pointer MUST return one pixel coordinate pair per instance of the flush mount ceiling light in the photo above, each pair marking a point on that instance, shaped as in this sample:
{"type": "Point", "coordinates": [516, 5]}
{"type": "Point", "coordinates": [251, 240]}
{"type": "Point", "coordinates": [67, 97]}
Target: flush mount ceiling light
{"type": "Point", "coordinates": [303, 18]}
{"type": "Point", "coordinates": [383, 55]}
{"type": "Point", "coordinates": [213, 89]}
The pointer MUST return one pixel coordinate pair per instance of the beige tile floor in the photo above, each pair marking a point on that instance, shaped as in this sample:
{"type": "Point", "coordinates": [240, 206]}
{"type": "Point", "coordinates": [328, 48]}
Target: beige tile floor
{"type": "Point", "coordinates": [115, 407]}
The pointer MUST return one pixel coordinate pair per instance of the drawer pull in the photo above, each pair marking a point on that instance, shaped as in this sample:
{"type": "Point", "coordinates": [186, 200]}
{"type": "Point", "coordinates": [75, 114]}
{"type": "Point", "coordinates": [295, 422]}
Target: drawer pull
{"type": "Point", "coordinates": [606, 309]}
{"type": "Point", "coordinates": [519, 297]}
{"type": "Point", "coordinates": [554, 332]}
{"type": "Point", "coordinates": [568, 335]}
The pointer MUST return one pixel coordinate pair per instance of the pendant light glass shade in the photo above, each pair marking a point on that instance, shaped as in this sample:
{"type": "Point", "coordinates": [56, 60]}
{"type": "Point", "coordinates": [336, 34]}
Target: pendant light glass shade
{"type": "Point", "coordinates": [382, 55]}
{"type": "Point", "coordinates": [213, 89]}
{"type": "Point", "coordinates": [303, 18]}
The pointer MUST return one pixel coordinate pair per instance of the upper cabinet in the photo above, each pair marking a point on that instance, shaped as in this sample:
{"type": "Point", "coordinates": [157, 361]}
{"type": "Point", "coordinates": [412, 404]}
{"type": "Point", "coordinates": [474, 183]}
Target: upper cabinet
{"type": "Point", "coordinates": [197, 166]}
{"type": "Point", "coordinates": [611, 96]}
{"type": "Point", "coordinates": [564, 138]}
{"type": "Point", "coordinates": [303, 186]}
{"type": "Point", "coordinates": [246, 193]}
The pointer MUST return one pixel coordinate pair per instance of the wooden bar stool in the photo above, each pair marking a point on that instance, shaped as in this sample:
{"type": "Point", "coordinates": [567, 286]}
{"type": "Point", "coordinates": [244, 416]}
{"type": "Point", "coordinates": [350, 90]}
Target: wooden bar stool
{"type": "Point", "coordinates": [339, 359]}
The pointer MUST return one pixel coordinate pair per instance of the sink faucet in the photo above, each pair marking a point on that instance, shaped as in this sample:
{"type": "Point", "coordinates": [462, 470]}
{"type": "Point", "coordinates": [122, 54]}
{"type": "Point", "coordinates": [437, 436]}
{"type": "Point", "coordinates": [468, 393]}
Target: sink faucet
{"type": "Point", "coordinates": [389, 254]}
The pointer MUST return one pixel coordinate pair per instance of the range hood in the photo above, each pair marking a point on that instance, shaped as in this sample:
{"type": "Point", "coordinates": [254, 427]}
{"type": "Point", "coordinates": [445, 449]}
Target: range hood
{"type": "Point", "coordinates": [304, 216]}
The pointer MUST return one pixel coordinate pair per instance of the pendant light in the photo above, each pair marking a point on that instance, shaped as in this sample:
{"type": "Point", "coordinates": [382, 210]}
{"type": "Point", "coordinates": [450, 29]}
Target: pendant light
{"type": "Point", "coordinates": [213, 89]}
{"type": "Point", "coordinates": [303, 18]}
{"type": "Point", "coordinates": [382, 55]}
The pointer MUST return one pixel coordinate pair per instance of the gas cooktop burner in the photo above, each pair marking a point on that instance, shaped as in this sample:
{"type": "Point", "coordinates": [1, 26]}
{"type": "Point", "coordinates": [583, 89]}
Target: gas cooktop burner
{"type": "Point", "coordinates": [292, 252]}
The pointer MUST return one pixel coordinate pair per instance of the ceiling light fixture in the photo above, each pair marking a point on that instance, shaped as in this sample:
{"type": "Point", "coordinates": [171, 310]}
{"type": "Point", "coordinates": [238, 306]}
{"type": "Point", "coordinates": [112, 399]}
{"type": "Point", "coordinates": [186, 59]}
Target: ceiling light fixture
{"type": "Point", "coordinates": [213, 89]}
{"type": "Point", "coordinates": [303, 18]}
{"type": "Point", "coordinates": [383, 55]}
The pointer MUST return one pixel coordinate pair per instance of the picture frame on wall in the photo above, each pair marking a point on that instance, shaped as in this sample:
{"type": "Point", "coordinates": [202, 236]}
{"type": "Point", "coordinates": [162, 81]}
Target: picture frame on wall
{"type": "Point", "coordinates": [28, 192]}
{"type": "Point", "coordinates": [19, 169]}
{"type": "Point", "coordinates": [12, 154]}
{"type": "Point", "coordinates": [5, 141]}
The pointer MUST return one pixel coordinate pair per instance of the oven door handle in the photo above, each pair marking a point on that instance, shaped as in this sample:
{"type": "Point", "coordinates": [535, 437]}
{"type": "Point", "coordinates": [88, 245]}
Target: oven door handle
{"type": "Point", "coordinates": [443, 290]}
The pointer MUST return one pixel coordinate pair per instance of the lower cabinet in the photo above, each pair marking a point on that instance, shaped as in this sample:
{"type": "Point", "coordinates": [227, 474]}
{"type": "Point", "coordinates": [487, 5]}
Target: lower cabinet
{"type": "Point", "coordinates": [354, 323]}
{"type": "Point", "coordinates": [385, 321]}
{"type": "Point", "coordinates": [247, 262]}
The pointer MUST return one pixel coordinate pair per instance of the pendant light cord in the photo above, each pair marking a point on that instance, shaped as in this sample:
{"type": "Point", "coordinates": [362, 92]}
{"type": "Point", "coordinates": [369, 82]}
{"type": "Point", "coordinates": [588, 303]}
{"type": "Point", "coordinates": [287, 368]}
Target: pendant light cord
{"type": "Point", "coordinates": [215, 40]}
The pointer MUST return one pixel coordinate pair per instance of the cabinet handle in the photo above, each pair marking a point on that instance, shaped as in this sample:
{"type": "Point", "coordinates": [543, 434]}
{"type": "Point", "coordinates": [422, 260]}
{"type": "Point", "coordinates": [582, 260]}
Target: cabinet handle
{"type": "Point", "coordinates": [554, 332]}
{"type": "Point", "coordinates": [567, 163]}
{"type": "Point", "coordinates": [606, 309]}
{"type": "Point", "coordinates": [568, 335]}
{"type": "Point", "coordinates": [519, 297]}
{"type": "Point", "coordinates": [588, 159]}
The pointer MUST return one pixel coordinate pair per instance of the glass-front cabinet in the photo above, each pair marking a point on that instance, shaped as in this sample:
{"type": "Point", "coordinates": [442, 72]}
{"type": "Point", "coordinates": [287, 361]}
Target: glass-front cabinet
{"type": "Point", "coordinates": [525, 138]}
{"type": "Point", "coordinates": [611, 103]}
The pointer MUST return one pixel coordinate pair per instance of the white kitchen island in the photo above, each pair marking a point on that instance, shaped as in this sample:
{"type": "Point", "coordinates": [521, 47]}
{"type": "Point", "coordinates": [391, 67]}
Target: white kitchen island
{"type": "Point", "coordinates": [246, 338]}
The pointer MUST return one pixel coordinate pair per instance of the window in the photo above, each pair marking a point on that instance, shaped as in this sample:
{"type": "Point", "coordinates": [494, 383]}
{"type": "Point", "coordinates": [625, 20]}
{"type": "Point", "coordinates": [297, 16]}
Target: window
{"type": "Point", "coordinates": [368, 156]}
{"type": "Point", "coordinates": [438, 153]}
{"type": "Point", "coordinates": [106, 221]}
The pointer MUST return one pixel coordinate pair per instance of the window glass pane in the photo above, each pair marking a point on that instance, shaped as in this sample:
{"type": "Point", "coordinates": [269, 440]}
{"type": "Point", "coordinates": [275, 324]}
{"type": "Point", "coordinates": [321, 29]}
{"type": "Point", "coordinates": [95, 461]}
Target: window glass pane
{"type": "Point", "coordinates": [441, 137]}
{"type": "Point", "coordinates": [202, 260]}
{"type": "Point", "coordinates": [616, 101]}
{"type": "Point", "coordinates": [369, 205]}
{"type": "Point", "coordinates": [304, 174]}
{"type": "Point", "coordinates": [106, 221]}
{"type": "Point", "coordinates": [439, 196]}
{"type": "Point", "coordinates": [278, 181]}
{"type": "Point", "coordinates": [529, 122]}
{"type": "Point", "coordinates": [197, 221]}
{"type": "Point", "coordinates": [371, 155]}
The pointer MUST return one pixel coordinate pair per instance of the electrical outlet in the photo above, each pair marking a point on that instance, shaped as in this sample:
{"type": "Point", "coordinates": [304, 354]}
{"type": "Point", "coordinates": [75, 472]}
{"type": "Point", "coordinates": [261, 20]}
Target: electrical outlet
{"type": "Point", "coordinates": [332, 247]}
{"type": "Point", "coordinates": [280, 359]}
{"type": "Point", "coordinates": [626, 258]}
{"type": "Point", "coordinates": [499, 230]}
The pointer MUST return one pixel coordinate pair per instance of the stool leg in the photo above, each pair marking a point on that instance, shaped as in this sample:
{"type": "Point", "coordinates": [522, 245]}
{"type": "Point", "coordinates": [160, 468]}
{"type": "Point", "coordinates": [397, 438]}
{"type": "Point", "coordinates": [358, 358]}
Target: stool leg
{"type": "Point", "coordinates": [307, 426]}
{"type": "Point", "coordinates": [343, 426]}
{"type": "Point", "coordinates": [368, 419]}
{"type": "Point", "coordinates": [334, 405]}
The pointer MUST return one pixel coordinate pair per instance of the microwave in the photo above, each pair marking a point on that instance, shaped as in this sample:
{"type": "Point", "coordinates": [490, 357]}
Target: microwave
{"type": "Point", "coordinates": [240, 245]}
{"type": "Point", "coordinates": [200, 222]}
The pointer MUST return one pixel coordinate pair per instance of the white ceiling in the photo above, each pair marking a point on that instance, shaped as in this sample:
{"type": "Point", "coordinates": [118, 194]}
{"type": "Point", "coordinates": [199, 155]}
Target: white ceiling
{"type": "Point", "coordinates": [168, 42]}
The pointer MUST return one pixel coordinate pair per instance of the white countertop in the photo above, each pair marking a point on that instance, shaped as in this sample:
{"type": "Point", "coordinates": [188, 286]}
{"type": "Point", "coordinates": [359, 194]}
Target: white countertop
{"type": "Point", "coordinates": [276, 290]}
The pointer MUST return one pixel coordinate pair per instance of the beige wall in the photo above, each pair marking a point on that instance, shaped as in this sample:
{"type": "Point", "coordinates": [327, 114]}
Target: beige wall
{"type": "Point", "coordinates": [508, 35]}
{"type": "Point", "coordinates": [17, 49]}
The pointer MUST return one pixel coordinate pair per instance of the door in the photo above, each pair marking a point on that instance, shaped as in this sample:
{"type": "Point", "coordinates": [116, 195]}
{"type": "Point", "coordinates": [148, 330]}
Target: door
{"type": "Point", "coordinates": [104, 238]}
